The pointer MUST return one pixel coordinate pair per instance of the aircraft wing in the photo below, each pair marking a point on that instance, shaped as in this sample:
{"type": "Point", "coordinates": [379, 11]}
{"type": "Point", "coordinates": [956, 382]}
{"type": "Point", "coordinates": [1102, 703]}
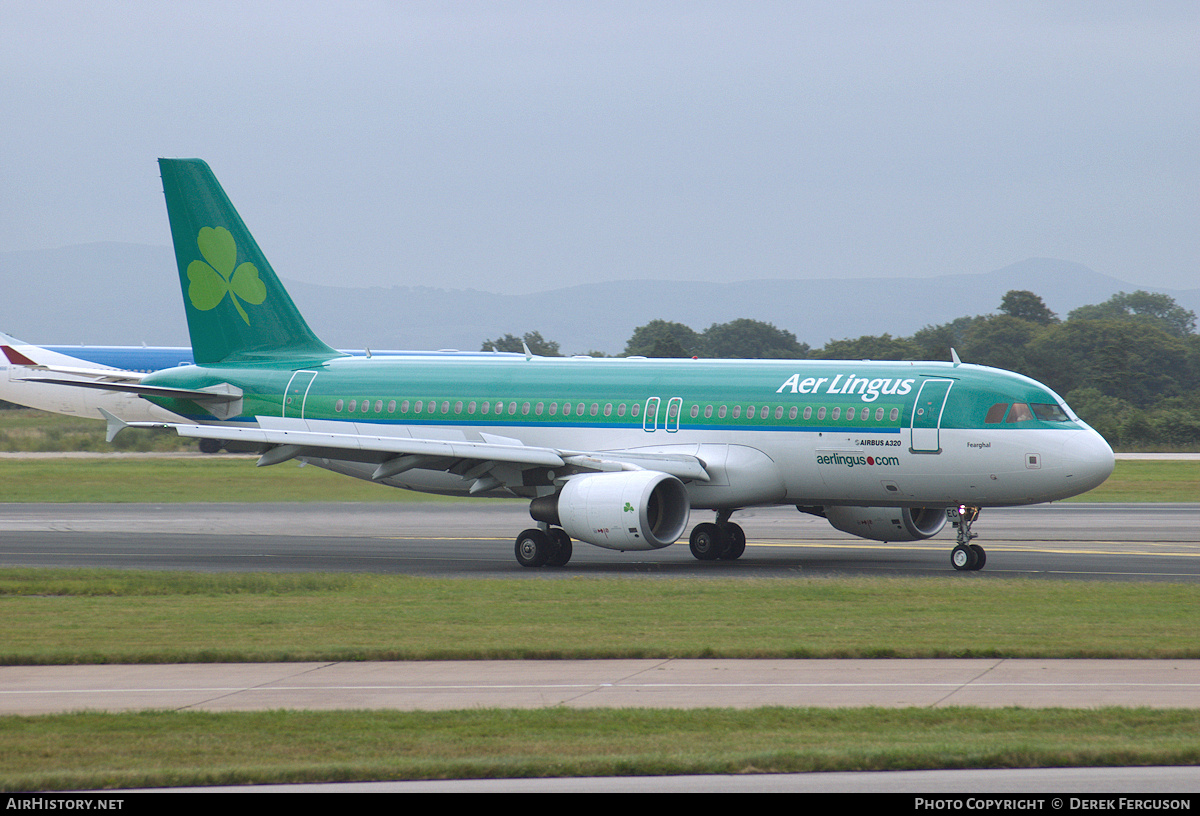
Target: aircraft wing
{"type": "Point", "coordinates": [97, 374]}
{"type": "Point", "coordinates": [477, 461]}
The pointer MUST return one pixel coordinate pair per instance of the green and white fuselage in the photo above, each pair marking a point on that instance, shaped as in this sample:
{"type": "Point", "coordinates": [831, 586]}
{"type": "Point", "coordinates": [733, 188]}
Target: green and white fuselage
{"type": "Point", "coordinates": [614, 452]}
{"type": "Point", "coordinates": [767, 432]}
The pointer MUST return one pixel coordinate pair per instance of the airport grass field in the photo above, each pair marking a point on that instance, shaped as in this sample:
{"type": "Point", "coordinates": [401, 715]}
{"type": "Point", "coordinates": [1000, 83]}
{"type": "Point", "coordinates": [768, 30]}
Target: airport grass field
{"type": "Point", "coordinates": [89, 751]}
{"type": "Point", "coordinates": [80, 616]}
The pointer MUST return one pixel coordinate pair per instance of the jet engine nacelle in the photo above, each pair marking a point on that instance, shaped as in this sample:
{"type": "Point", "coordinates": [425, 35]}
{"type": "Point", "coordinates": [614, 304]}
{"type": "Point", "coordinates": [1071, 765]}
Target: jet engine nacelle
{"type": "Point", "coordinates": [629, 510]}
{"type": "Point", "coordinates": [888, 523]}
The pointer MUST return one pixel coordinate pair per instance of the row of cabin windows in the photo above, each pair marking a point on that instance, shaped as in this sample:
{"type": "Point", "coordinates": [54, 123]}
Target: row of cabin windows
{"type": "Point", "coordinates": [485, 407]}
{"type": "Point", "coordinates": [511, 408]}
{"type": "Point", "coordinates": [852, 412]}
{"type": "Point", "coordinates": [1025, 412]}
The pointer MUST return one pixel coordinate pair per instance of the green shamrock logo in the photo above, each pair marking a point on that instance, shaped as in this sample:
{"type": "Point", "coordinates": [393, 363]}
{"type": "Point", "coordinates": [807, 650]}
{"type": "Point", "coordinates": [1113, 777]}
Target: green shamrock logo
{"type": "Point", "coordinates": [210, 282]}
{"type": "Point", "coordinates": [628, 507]}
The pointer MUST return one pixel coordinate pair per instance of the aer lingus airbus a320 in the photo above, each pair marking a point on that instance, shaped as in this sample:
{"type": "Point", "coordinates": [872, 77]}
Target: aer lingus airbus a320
{"type": "Point", "coordinates": [614, 452]}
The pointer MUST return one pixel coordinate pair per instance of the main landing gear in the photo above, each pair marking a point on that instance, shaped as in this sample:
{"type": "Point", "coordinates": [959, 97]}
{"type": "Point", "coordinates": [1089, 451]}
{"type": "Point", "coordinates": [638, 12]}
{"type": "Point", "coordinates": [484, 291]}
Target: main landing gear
{"type": "Point", "coordinates": [965, 555]}
{"type": "Point", "coordinates": [723, 540]}
{"type": "Point", "coordinates": [543, 547]}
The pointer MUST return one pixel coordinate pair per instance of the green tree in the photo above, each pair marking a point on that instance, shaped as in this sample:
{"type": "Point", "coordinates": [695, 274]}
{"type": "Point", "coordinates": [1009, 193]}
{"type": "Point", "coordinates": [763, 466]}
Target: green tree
{"type": "Point", "coordinates": [1132, 360]}
{"type": "Point", "coordinates": [1159, 309]}
{"type": "Point", "coordinates": [752, 339]}
{"type": "Point", "coordinates": [663, 338]}
{"type": "Point", "coordinates": [1025, 305]}
{"type": "Point", "coordinates": [935, 342]}
{"type": "Point", "coordinates": [999, 341]}
{"type": "Point", "coordinates": [868, 347]}
{"type": "Point", "coordinates": [1105, 414]}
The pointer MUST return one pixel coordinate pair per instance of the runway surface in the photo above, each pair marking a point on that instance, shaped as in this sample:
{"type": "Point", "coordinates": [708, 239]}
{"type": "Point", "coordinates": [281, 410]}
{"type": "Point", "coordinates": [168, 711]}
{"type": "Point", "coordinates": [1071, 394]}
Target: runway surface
{"type": "Point", "coordinates": [1141, 542]}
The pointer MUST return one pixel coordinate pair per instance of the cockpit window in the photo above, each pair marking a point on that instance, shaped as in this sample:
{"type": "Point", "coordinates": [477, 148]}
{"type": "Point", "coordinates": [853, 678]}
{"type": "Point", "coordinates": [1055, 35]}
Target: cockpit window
{"type": "Point", "coordinates": [1019, 413]}
{"type": "Point", "coordinates": [1049, 412]}
{"type": "Point", "coordinates": [996, 413]}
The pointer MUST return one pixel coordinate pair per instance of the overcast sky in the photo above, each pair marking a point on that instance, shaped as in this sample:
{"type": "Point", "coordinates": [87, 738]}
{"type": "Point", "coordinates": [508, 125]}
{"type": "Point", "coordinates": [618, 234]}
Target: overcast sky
{"type": "Point", "coordinates": [523, 146]}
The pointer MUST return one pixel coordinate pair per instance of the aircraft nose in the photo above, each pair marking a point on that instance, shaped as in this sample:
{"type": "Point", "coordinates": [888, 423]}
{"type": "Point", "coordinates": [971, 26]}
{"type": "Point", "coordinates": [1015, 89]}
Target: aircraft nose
{"type": "Point", "coordinates": [1089, 460]}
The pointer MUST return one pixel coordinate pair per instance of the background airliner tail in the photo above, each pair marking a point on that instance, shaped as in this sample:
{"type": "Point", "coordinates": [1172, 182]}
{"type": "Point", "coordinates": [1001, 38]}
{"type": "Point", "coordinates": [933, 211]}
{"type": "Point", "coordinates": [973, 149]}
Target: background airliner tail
{"type": "Point", "coordinates": [237, 310]}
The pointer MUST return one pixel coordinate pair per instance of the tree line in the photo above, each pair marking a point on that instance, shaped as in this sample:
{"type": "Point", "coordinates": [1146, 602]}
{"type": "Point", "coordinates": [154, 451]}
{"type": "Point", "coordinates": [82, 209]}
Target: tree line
{"type": "Point", "coordinates": [1129, 366]}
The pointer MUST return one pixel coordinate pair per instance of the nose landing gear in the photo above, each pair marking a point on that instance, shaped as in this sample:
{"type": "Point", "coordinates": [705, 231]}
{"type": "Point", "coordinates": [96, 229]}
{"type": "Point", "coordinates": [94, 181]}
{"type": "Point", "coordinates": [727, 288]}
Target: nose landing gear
{"type": "Point", "coordinates": [965, 556]}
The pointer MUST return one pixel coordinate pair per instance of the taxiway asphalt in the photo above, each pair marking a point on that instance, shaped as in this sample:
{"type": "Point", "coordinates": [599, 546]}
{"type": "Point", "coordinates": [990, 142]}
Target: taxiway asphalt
{"type": "Point", "coordinates": [1147, 542]}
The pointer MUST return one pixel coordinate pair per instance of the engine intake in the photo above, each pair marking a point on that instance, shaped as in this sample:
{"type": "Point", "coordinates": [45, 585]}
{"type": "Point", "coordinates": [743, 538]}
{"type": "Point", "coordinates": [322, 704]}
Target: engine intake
{"type": "Point", "coordinates": [630, 510]}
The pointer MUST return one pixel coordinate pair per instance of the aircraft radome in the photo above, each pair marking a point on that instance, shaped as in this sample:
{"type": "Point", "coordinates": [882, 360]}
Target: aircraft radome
{"type": "Point", "coordinates": [613, 452]}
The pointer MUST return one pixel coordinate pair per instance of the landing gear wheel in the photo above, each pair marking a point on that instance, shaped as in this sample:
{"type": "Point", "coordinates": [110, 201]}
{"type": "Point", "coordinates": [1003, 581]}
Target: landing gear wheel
{"type": "Point", "coordinates": [963, 557]}
{"type": "Point", "coordinates": [708, 541]}
{"type": "Point", "coordinates": [980, 556]}
{"type": "Point", "coordinates": [562, 548]}
{"type": "Point", "coordinates": [737, 541]}
{"type": "Point", "coordinates": [533, 548]}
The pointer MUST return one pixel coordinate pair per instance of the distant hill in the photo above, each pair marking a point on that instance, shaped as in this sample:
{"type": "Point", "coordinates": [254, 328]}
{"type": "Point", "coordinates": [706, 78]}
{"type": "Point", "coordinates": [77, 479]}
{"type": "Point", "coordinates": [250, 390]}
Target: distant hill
{"type": "Point", "coordinates": [112, 293]}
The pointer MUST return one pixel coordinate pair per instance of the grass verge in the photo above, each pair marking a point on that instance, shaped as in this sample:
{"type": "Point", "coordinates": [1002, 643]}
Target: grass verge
{"type": "Point", "coordinates": [1138, 480]}
{"type": "Point", "coordinates": [196, 479]}
{"type": "Point", "coordinates": [153, 749]}
{"type": "Point", "coordinates": [50, 617]}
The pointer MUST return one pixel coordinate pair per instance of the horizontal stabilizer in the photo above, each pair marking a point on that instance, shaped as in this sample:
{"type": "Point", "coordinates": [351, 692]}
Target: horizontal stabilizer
{"type": "Point", "coordinates": [196, 395]}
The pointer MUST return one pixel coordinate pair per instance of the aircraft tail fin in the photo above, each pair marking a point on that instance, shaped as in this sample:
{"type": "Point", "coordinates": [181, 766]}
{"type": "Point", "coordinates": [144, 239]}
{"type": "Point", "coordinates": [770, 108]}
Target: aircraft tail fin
{"type": "Point", "coordinates": [237, 309]}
